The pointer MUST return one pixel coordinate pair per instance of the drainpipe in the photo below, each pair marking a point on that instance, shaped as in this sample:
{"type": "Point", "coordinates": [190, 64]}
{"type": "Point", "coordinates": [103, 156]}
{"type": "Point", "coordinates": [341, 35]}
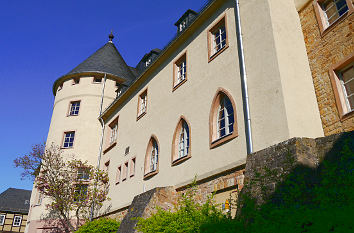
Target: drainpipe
{"type": "Point", "coordinates": [102, 135]}
{"type": "Point", "coordinates": [246, 108]}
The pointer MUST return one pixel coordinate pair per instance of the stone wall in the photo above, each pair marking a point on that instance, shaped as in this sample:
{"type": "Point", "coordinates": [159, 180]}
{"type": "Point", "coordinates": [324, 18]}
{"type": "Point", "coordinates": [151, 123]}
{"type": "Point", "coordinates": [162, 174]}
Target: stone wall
{"type": "Point", "coordinates": [268, 168]}
{"type": "Point", "coordinates": [323, 52]}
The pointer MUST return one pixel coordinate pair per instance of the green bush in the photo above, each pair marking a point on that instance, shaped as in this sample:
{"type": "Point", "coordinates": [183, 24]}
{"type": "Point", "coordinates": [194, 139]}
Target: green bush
{"type": "Point", "coordinates": [102, 225]}
{"type": "Point", "coordinates": [187, 217]}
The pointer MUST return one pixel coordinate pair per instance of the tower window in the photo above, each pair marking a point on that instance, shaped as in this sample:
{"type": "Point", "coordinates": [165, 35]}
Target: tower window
{"type": "Point", "coordinates": [68, 139]}
{"type": "Point", "coordinates": [74, 108]}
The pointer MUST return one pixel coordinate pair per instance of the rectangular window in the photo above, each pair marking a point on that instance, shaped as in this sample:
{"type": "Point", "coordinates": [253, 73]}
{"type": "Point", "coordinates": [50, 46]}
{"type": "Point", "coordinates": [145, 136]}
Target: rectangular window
{"type": "Point", "coordinates": [69, 139]}
{"type": "Point", "coordinates": [346, 78]}
{"type": "Point", "coordinates": [119, 172]}
{"type": "Point", "coordinates": [97, 80]}
{"type": "Point", "coordinates": [217, 38]}
{"type": "Point", "coordinates": [83, 173]}
{"type": "Point", "coordinates": [125, 171]}
{"type": "Point", "coordinates": [80, 192]}
{"type": "Point", "coordinates": [74, 108]}
{"type": "Point", "coordinates": [180, 71]}
{"type": "Point", "coordinates": [2, 219]}
{"type": "Point", "coordinates": [132, 167]}
{"type": "Point", "coordinates": [328, 12]}
{"type": "Point", "coordinates": [17, 221]}
{"type": "Point", "coordinates": [76, 81]}
{"type": "Point", "coordinates": [113, 126]}
{"type": "Point", "coordinates": [333, 10]}
{"type": "Point", "coordinates": [342, 80]}
{"type": "Point", "coordinates": [142, 103]}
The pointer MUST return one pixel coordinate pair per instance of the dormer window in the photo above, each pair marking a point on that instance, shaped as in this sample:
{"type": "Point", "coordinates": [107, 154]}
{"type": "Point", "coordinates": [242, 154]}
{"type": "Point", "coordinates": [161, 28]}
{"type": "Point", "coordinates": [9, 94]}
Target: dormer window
{"type": "Point", "coordinates": [148, 62]}
{"type": "Point", "coordinates": [182, 26]}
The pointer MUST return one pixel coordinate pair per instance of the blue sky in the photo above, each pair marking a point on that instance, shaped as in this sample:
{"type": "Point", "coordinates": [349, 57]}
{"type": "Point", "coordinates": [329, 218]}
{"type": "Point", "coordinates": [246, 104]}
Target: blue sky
{"type": "Point", "coordinates": [41, 40]}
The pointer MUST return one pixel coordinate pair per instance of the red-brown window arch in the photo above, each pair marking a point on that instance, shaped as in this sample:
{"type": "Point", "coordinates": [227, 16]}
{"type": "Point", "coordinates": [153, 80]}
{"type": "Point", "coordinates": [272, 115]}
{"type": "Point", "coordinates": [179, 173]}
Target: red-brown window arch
{"type": "Point", "coordinates": [181, 143]}
{"type": "Point", "coordinates": [151, 164]}
{"type": "Point", "coordinates": [222, 119]}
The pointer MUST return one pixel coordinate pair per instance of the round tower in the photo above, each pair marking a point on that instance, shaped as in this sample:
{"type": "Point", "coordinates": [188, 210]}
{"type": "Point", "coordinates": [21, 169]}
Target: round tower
{"type": "Point", "coordinates": [80, 96]}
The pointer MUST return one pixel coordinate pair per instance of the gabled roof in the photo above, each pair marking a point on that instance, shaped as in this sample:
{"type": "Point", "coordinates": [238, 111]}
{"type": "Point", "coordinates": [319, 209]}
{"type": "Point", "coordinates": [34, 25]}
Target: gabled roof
{"type": "Point", "coordinates": [107, 60]}
{"type": "Point", "coordinates": [15, 200]}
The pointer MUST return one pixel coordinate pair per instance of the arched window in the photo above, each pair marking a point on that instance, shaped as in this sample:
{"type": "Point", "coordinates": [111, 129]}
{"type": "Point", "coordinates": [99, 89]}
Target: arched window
{"type": "Point", "coordinates": [151, 158]}
{"type": "Point", "coordinates": [223, 125]}
{"type": "Point", "coordinates": [181, 142]}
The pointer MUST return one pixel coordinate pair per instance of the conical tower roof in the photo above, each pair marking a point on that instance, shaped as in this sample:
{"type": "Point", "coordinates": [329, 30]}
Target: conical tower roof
{"type": "Point", "coordinates": [107, 60]}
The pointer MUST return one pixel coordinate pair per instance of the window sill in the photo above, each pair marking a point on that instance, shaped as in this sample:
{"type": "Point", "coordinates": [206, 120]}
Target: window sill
{"type": "Point", "coordinates": [132, 175]}
{"type": "Point", "coordinates": [220, 141]}
{"type": "Point", "coordinates": [66, 148]}
{"type": "Point", "coordinates": [150, 174]}
{"type": "Point", "coordinates": [179, 84]}
{"type": "Point", "coordinates": [347, 116]}
{"type": "Point", "coordinates": [333, 25]}
{"type": "Point", "coordinates": [72, 115]}
{"type": "Point", "coordinates": [109, 147]}
{"type": "Point", "coordinates": [181, 160]}
{"type": "Point", "coordinates": [212, 57]}
{"type": "Point", "coordinates": [140, 115]}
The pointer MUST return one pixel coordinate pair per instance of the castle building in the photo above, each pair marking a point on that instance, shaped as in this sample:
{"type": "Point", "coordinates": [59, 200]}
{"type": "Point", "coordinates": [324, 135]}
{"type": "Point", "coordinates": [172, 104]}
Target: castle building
{"type": "Point", "coordinates": [236, 79]}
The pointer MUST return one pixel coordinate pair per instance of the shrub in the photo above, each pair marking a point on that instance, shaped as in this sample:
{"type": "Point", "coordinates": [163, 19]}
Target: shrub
{"type": "Point", "coordinates": [188, 216]}
{"type": "Point", "coordinates": [102, 225]}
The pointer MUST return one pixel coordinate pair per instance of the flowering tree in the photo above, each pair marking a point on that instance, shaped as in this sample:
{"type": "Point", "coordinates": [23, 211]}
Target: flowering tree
{"type": "Point", "coordinates": [31, 162]}
{"type": "Point", "coordinates": [73, 188]}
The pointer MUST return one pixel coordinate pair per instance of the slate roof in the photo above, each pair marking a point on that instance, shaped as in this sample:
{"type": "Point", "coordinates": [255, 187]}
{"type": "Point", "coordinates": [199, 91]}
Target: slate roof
{"type": "Point", "coordinates": [105, 60]}
{"type": "Point", "coordinates": [15, 200]}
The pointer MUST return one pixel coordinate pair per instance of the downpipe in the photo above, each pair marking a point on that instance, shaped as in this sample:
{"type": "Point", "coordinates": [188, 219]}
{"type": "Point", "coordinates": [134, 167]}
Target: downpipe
{"type": "Point", "coordinates": [246, 108]}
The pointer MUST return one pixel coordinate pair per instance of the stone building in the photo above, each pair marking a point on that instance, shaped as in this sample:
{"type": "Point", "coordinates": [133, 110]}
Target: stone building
{"type": "Point", "coordinates": [236, 79]}
{"type": "Point", "coordinates": [328, 28]}
{"type": "Point", "coordinates": [14, 206]}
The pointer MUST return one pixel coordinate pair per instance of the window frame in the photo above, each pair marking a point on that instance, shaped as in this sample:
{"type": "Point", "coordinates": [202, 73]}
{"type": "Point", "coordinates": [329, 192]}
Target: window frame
{"type": "Point", "coordinates": [147, 172]}
{"type": "Point", "coordinates": [322, 18]}
{"type": "Point", "coordinates": [108, 142]}
{"type": "Point", "coordinates": [63, 140]}
{"type": "Point", "coordinates": [132, 167]}
{"type": "Point", "coordinates": [13, 221]}
{"type": "Point", "coordinates": [340, 100]}
{"type": "Point", "coordinates": [175, 159]}
{"type": "Point", "coordinates": [3, 219]}
{"type": "Point", "coordinates": [119, 174]}
{"type": "Point", "coordinates": [211, 54]}
{"type": "Point", "coordinates": [69, 110]}
{"type": "Point", "coordinates": [214, 140]}
{"type": "Point", "coordinates": [176, 63]}
{"type": "Point", "coordinates": [140, 114]}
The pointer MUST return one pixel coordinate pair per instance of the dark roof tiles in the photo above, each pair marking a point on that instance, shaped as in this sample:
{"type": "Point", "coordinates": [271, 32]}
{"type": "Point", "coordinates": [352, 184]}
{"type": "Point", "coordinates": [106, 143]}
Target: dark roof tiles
{"type": "Point", "coordinates": [15, 200]}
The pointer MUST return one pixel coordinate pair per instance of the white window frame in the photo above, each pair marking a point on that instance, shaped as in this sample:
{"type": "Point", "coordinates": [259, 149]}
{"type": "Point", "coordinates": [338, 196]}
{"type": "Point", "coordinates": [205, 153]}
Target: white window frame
{"type": "Point", "coordinates": [154, 156]}
{"type": "Point", "coordinates": [2, 219]}
{"type": "Point", "coordinates": [19, 222]}
{"type": "Point", "coordinates": [183, 142]}
{"type": "Point", "coordinates": [221, 30]}
{"type": "Point", "coordinates": [222, 109]}
{"type": "Point", "coordinates": [181, 71]}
